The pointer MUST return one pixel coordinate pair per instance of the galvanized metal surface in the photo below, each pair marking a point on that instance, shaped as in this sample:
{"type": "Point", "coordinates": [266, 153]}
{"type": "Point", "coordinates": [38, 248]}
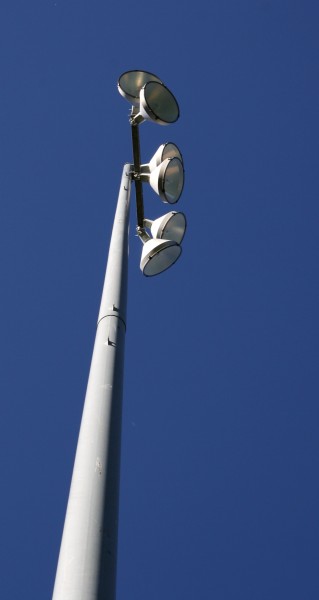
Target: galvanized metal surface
{"type": "Point", "coordinates": [87, 562]}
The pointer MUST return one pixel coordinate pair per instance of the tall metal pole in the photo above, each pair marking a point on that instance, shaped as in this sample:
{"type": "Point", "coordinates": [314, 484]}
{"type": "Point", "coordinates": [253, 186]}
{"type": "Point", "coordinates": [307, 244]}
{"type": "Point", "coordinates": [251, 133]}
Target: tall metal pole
{"type": "Point", "coordinates": [87, 561]}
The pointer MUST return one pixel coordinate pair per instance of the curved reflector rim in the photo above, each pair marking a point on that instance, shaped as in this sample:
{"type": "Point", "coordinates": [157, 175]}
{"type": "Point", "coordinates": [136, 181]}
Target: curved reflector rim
{"type": "Point", "coordinates": [151, 112]}
{"type": "Point", "coordinates": [151, 256]}
{"type": "Point", "coordinates": [130, 90]}
{"type": "Point", "coordinates": [162, 180]}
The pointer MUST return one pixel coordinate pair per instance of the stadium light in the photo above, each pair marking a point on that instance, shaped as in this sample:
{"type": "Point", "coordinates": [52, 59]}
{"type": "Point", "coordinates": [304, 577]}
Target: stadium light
{"type": "Point", "coordinates": [171, 226]}
{"type": "Point", "coordinates": [88, 554]}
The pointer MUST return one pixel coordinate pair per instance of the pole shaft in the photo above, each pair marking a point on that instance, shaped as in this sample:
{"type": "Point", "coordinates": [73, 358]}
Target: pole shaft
{"type": "Point", "coordinates": [87, 562]}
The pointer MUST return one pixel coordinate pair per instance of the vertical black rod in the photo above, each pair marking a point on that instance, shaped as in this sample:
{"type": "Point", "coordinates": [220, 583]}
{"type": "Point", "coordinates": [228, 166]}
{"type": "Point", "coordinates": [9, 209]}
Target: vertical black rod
{"type": "Point", "coordinates": [136, 175]}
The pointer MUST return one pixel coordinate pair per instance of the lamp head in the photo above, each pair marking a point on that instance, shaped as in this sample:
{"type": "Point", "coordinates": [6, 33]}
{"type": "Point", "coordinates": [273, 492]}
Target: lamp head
{"type": "Point", "coordinates": [167, 150]}
{"type": "Point", "coordinates": [157, 104]}
{"type": "Point", "coordinates": [158, 255]}
{"type": "Point", "coordinates": [167, 180]}
{"type": "Point", "coordinates": [131, 82]}
{"type": "Point", "coordinates": [171, 226]}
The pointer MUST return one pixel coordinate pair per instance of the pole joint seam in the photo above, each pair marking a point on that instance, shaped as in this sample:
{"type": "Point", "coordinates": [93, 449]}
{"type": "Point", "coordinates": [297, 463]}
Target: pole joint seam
{"type": "Point", "coordinates": [112, 314]}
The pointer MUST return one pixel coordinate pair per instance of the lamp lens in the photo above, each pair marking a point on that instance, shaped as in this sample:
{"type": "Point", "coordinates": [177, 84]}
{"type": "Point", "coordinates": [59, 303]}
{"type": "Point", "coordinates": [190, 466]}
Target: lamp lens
{"type": "Point", "coordinates": [161, 102]}
{"type": "Point", "coordinates": [173, 180]}
{"type": "Point", "coordinates": [170, 150]}
{"type": "Point", "coordinates": [162, 260]}
{"type": "Point", "coordinates": [175, 228]}
{"type": "Point", "coordinates": [131, 82]}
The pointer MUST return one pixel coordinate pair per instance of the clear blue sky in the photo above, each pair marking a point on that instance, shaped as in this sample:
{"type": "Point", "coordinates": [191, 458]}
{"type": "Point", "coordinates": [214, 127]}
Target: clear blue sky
{"type": "Point", "coordinates": [220, 450]}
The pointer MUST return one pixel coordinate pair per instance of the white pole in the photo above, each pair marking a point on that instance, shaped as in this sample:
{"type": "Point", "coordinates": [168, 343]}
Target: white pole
{"type": "Point", "coordinates": [87, 562]}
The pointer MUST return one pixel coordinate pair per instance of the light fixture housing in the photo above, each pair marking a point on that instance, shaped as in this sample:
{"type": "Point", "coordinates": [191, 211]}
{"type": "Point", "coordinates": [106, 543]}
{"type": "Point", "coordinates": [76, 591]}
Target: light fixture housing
{"type": "Point", "coordinates": [157, 104]}
{"type": "Point", "coordinates": [157, 255]}
{"type": "Point", "coordinates": [165, 173]}
{"type": "Point", "coordinates": [171, 226]}
{"type": "Point", "coordinates": [167, 150]}
{"type": "Point", "coordinates": [153, 101]}
{"type": "Point", "coordinates": [130, 84]}
{"type": "Point", "coordinates": [167, 180]}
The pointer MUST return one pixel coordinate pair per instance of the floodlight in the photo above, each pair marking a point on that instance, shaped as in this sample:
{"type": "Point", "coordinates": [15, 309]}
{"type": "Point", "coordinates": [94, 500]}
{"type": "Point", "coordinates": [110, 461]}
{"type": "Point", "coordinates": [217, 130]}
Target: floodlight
{"type": "Point", "coordinates": [171, 226]}
{"type": "Point", "coordinates": [131, 82]}
{"type": "Point", "coordinates": [157, 104]}
{"type": "Point", "coordinates": [167, 150]}
{"type": "Point", "coordinates": [165, 173]}
{"type": "Point", "coordinates": [157, 255]}
{"type": "Point", "coordinates": [167, 180]}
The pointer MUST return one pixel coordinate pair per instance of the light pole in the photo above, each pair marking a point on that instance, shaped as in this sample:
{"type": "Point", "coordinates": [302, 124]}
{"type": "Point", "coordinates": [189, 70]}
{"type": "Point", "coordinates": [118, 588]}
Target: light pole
{"type": "Point", "coordinates": [87, 561]}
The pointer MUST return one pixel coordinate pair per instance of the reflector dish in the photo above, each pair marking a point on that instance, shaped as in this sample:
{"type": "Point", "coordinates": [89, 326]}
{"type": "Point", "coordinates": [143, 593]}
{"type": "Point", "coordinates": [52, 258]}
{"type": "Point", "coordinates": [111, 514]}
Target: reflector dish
{"type": "Point", "coordinates": [168, 150]}
{"type": "Point", "coordinates": [159, 255]}
{"type": "Point", "coordinates": [167, 180]}
{"type": "Point", "coordinates": [169, 227]}
{"type": "Point", "coordinates": [158, 103]}
{"type": "Point", "coordinates": [131, 82]}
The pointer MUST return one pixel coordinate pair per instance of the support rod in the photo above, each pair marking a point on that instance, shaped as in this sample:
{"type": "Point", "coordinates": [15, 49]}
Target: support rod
{"type": "Point", "coordinates": [87, 562]}
{"type": "Point", "coordinates": [137, 174]}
